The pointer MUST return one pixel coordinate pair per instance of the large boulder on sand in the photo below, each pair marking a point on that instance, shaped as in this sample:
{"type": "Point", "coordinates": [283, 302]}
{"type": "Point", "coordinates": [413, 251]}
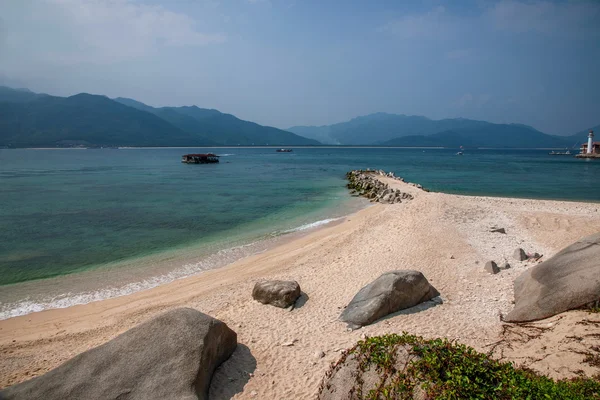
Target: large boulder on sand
{"type": "Point", "coordinates": [391, 292]}
{"type": "Point", "coordinates": [172, 356]}
{"type": "Point", "coordinates": [569, 280]}
{"type": "Point", "coordinates": [277, 293]}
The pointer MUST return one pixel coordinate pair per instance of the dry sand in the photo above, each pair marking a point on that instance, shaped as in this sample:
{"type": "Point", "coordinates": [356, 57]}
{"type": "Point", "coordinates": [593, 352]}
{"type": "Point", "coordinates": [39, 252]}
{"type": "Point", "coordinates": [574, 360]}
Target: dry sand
{"type": "Point", "coordinates": [447, 237]}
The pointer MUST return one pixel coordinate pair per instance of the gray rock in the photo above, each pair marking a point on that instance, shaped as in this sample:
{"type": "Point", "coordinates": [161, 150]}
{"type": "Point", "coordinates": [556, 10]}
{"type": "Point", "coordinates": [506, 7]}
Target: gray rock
{"type": "Point", "coordinates": [504, 266]}
{"type": "Point", "coordinates": [391, 292]}
{"type": "Point", "coordinates": [499, 230]}
{"type": "Point", "coordinates": [172, 356]}
{"type": "Point", "coordinates": [491, 267]}
{"type": "Point", "coordinates": [277, 293]}
{"type": "Point", "coordinates": [520, 255]}
{"type": "Point", "coordinates": [387, 198]}
{"type": "Point", "coordinates": [569, 280]}
{"type": "Point", "coordinates": [347, 377]}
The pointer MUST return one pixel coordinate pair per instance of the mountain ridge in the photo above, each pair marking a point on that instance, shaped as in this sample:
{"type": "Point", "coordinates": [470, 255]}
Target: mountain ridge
{"type": "Point", "coordinates": [411, 130]}
{"type": "Point", "coordinates": [28, 119]}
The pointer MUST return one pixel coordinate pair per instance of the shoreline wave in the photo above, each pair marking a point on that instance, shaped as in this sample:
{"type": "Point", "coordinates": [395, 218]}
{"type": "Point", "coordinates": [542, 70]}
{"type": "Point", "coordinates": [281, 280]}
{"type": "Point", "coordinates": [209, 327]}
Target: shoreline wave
{"type": "Point", "coordinates": [216, 260]}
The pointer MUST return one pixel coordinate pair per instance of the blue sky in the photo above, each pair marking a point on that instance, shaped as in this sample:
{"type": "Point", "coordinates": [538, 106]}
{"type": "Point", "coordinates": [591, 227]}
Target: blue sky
{"type": "Point", "coordinates": [293, 62]}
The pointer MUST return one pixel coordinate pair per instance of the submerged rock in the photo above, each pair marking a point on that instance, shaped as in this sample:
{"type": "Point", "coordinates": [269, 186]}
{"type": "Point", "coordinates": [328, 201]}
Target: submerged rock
{"type": "Point", "coordinates": [391, 292]}
{"type": "Point", "coordinates": [281, 294]}
{"type": "Point", "coordinates": [172, 356]}
{"type": "Point", "coordinates": [569, 280]}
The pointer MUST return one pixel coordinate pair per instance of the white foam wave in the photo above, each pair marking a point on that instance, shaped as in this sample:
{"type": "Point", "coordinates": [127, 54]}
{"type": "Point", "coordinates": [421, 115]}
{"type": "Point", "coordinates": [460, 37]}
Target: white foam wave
{"type": "Point", "coordinates": [216, 260]}
{"type": "Point", "coordinates": [221, 258]}
{"type": "Point", "coordinates": [225, 155]}
{"type": "Point", "coordinates": [311, 225]}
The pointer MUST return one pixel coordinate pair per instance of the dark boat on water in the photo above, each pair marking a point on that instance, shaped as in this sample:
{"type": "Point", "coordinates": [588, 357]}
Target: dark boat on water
{"type": "Point", "coordinates": [284, 150]}
{"type": "Point", "coordinates": [208, 158]}
{"type": "Point", "coordinates": [560, 153]}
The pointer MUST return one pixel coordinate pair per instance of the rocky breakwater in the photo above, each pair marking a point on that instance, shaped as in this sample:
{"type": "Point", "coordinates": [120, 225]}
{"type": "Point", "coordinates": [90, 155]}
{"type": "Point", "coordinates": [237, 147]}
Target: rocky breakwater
{"type": "Point", "coordinates": [366, 183]}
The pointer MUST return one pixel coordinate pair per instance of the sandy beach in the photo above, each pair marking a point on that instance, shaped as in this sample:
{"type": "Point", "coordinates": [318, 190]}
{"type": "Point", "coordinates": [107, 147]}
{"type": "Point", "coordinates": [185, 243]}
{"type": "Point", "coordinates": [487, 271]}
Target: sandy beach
{"type": "Point", "coordinates": [447, 237]}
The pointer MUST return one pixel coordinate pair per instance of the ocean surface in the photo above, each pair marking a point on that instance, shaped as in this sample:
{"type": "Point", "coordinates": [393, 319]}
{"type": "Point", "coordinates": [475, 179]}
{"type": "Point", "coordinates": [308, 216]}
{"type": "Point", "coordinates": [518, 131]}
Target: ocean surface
{"type": "Point", "coordinates": [84, 225]}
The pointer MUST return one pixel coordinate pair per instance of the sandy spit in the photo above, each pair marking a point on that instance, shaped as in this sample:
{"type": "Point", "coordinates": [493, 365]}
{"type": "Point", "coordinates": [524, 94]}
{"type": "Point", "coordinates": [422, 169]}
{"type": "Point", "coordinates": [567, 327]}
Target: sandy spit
{"type": "Point", "coordinates": [447, 237]}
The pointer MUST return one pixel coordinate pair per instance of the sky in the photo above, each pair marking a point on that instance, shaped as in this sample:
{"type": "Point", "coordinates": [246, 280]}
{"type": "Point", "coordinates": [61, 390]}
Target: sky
{"type": "Point", "coordinates": [317, 62]}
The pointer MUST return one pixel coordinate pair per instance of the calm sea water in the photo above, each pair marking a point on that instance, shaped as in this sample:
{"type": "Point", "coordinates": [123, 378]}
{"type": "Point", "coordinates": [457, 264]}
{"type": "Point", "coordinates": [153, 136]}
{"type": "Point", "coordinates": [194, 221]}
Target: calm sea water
{"type": "Point", "coordinates": [69, 211]}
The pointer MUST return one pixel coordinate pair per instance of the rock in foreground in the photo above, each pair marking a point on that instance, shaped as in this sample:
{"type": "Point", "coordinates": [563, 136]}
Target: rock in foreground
{"type": "Point", "coordinates": [569, 280]}
{"type": "Point", "coordinates": [172, 356]}
{"type": "Point", "coordinates": [277, 293]}
{"type": "Point", "coordinates": [410, 367]}
{"type": "Point", "coordinates": [391, 292]}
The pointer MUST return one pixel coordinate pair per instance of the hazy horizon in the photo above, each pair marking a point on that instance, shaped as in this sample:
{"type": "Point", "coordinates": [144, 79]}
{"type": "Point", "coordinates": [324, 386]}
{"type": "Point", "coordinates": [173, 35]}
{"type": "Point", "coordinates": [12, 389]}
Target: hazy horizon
{"type": "Point", "coordinates": [287, 63]}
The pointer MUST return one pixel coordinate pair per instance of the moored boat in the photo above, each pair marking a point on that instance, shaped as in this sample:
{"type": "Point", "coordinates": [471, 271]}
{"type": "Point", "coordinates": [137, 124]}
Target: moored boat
{"type": "Point", "coordinates": [208, 158]}
{"type": "Point", "coordinates": [284, 150]}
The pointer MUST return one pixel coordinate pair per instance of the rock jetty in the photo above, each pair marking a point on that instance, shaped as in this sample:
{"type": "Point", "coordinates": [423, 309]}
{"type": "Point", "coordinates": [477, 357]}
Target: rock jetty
{"type": "Point", "coordinates": [366, 183]}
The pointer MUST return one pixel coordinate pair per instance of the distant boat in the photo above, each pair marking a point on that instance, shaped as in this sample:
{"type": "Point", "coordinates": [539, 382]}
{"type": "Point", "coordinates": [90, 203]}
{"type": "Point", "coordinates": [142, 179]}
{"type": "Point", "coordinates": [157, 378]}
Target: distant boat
{"type": "Point", "coordinates": [560, 153]}
{"type": "Point", "coordinates": [284, 150]}
{"type": "Point", "coordinates": [208, 158]}
{"type": "Point", "coordinates": [460, 152]}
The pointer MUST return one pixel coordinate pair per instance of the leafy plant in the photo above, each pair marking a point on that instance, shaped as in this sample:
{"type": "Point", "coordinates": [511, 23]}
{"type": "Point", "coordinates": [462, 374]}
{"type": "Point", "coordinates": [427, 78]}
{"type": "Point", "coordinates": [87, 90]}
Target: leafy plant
{"type": "Point", "coordinates": [448, 370]}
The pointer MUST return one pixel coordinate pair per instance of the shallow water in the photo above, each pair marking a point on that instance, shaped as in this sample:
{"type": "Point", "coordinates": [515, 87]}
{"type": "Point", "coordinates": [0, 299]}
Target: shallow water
{"type": "Point", "coordinates": [139, 217]}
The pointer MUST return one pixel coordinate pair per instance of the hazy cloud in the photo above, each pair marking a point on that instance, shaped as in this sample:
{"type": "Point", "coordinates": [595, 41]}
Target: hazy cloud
{"type": "Point", "coordinates": [469, 100]}
{"type": "Point", "coordinates": [545, 17]}
{"type": "Point", "coordinates": [434, 23]}
{"type": "Point", "coordinates": [105, 31]}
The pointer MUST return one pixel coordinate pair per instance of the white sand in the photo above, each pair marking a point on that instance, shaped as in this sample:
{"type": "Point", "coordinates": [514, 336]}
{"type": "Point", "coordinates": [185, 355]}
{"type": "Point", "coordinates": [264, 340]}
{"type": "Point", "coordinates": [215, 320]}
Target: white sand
{"type": "Point", "coordinates": [445, 236]}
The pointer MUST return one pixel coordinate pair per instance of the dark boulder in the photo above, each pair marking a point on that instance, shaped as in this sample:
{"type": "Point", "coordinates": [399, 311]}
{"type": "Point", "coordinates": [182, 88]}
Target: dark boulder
{"type": "Point", "coordinates": [569, 280]}
{"type": "Point", "coordinates": [172, 356]}
{"type": "Point", "coordinates": [277, 293]}
{"type": "Point", "coordinates": [391, 292]}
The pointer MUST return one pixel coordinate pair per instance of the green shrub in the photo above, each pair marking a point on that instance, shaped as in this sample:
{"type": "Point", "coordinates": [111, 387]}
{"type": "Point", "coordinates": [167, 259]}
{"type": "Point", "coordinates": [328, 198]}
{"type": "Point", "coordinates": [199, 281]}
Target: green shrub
{"type": "Point", "coordinates": [447, 370]}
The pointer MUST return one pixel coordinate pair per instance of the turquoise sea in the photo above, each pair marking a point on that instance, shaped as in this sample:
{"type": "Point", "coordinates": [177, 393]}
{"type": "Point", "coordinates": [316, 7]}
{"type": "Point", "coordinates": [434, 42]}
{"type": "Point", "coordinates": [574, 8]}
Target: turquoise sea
{"type": "Point", "coordinates": [107, 222]}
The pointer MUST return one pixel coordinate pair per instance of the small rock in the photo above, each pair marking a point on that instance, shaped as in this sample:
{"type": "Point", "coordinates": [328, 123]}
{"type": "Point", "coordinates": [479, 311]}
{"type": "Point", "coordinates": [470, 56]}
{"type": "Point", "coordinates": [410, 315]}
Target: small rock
{"type": "Point", "coordinates": [290, 343]}
{"type": "Point", "coordinates": [282, 294]}
{"type": "Point", "coordinates": [491, 267]}
{"type": "Point", "coordinates": [319, 354]}
{"type": "Point", "coordinates": [499, 230]}
{"type": "Point", "coordinates": [253, 393]}
{"type": "Point", "coordinates": [505, 266]}
{"type": "Point", "coordinates": [519, 254]}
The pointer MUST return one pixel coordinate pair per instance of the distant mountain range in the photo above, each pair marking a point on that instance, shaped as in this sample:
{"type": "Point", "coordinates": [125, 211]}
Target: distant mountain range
{"type": "Point", "coordinates": [416, 131]}
{"type": "Point", "coordinates": [29, 119]}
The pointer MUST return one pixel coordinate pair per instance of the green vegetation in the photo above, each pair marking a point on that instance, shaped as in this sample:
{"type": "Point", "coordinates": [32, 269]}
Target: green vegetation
{"type": "Point", "coordinates": [447, 370]}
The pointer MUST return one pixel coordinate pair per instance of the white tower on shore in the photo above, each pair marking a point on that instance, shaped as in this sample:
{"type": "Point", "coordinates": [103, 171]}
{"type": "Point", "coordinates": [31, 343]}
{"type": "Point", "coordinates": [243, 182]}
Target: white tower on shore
{"type": "Point", "coordinates": [590, 146]}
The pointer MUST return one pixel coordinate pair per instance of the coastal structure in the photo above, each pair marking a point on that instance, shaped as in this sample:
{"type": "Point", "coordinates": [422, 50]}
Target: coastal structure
{"type": "Point", "coordinates": [208, 158]}
{"type": "Point", "coordinates": [590, 149]}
